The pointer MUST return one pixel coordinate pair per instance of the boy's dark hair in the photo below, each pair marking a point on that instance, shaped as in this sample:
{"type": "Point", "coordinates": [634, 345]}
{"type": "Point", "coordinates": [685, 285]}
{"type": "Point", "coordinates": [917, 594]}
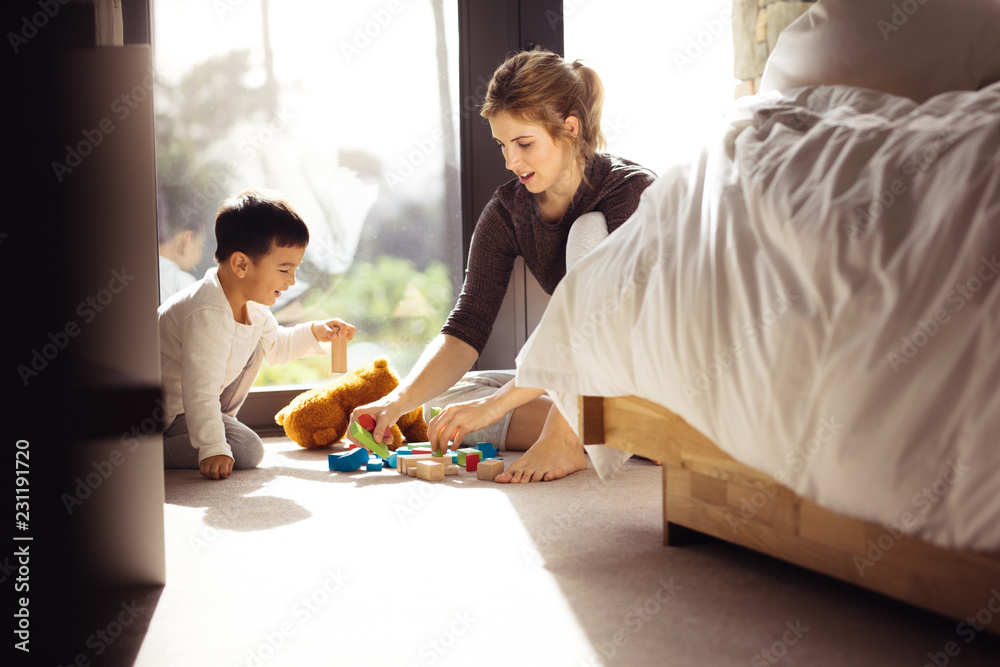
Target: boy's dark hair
{"type": "Point", "coordinates": [174, 215]}
{"type": "Point", "coordinates": [253, 222]}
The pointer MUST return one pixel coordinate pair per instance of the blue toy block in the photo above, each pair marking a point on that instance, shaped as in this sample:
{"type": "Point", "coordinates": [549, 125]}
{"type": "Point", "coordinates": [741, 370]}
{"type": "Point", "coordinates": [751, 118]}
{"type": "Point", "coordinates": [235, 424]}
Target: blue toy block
{"type": "Point", "coordinates": [365, 438]}
{"type": "Point", "coordinates": [348, 461]}
{"type": "Point", "coordinates": [392, 459]}
{"type": "Point", "coordinates": [488, 450]}
{"type": "Point", "coordinates": [374, 463]}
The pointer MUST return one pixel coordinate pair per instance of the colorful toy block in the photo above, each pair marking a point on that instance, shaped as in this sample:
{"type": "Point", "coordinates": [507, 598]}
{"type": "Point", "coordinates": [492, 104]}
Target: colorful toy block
{"type": "Point", "coordinates": [488, 450]}
{"type": "Point", "coordinates": [430, 470]}
{"type": "Point", "coordinates": [365, 438]}
{"type": "Point", "coordinates": [471, 462]}
{"type": "Point", "coordinates": [489, 469]}
{"type": "Point", "coordinates": [435, 412]}
{"type": "Point", "coordinates": [367, 421]}
{"type": "Point", "coordinates": [348, 461]}
{"type": "Point", "coordinates": [374, 463]}
{"type": "Point", "coordinates": [338, 355]}
{"type": "Point", "coordinates": [450, 469]}
{"type": "Point", "coordinates": [464, 452]}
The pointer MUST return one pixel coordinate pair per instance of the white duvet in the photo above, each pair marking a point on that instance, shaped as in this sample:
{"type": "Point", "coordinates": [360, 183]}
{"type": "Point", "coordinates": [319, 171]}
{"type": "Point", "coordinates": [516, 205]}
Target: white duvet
{"type": "Point", "coordinates": [820, 295]}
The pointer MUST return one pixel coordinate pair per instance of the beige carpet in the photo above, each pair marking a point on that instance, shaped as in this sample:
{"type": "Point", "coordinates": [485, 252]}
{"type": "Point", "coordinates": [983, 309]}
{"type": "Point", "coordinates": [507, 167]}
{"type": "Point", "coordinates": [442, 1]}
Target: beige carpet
{"type": "Point", "coordinates": [291, 564]}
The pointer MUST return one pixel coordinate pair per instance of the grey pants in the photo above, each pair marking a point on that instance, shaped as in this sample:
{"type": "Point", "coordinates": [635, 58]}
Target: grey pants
{"type": "Point", "coordinates": [248, 450]}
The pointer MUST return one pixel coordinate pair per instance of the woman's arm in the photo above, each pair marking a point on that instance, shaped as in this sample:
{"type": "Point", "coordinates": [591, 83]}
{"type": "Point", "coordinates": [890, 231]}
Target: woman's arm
{"type": "Point", "coordinates": [443, 363]}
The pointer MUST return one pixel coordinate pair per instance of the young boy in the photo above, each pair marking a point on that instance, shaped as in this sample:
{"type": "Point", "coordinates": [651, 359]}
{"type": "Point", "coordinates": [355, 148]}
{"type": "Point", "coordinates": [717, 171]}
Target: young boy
{"type": "Point", "coordinates": [215, 333]}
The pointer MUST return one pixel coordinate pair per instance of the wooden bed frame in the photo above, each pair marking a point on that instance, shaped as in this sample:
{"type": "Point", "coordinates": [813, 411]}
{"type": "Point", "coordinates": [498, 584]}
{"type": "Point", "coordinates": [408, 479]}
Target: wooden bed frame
{"type": "Point", "coordinates": [707, 492]}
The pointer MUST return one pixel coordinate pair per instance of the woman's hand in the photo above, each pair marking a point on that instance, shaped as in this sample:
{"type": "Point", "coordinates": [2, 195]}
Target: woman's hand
{"type": "Point", "coordinates": [460, 419]}
{"type": "Point", "coordinates": [385, 412]}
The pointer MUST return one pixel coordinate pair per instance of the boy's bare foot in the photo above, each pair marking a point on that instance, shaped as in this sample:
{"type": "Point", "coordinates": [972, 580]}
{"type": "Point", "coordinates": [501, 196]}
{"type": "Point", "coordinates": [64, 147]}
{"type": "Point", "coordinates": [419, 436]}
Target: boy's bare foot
{"type": "Point", "coordinates": [556, 453]}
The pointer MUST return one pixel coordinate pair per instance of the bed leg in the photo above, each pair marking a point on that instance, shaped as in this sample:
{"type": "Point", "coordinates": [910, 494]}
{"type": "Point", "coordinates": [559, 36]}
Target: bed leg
{"type": "Point", "coordinates": [674, 534]}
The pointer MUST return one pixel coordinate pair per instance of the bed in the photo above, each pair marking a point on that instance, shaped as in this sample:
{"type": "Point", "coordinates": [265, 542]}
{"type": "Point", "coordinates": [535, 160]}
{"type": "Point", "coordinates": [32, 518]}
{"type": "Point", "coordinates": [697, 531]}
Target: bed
{"type": "Point", "coordinates": [803, 324]}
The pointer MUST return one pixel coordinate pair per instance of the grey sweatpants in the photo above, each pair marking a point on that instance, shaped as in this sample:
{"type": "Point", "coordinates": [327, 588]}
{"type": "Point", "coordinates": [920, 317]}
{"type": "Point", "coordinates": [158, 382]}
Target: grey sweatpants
{"type": "Point", "coordinates": [248, 450]}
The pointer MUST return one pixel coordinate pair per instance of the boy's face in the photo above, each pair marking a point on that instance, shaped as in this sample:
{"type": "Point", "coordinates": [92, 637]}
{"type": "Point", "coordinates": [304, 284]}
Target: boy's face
{"type": "Point", "coordinates": [273, 274]}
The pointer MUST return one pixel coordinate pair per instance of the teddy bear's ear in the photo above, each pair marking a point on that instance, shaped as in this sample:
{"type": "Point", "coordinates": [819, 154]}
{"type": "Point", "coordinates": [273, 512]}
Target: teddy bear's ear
{"type": "Point", "coordinates": [381, 363]}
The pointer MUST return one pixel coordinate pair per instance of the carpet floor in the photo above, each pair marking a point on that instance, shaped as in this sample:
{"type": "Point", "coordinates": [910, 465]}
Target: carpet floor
{"type": "Point", "coordinates": [291, 564]}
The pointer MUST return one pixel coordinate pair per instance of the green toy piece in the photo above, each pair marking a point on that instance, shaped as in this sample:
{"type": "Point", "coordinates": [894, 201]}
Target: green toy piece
{"type": "Point", "coordinates": [365, 438]}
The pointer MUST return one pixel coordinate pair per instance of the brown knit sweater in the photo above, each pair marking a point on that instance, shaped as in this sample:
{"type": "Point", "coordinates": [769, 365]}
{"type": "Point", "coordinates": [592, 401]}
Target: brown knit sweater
{"type": "Point", "coordinates": [512, 225]}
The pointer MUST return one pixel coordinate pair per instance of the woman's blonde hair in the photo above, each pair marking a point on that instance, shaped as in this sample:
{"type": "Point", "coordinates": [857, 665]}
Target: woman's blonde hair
{"type": "Point", "coordinates": [540, 88]}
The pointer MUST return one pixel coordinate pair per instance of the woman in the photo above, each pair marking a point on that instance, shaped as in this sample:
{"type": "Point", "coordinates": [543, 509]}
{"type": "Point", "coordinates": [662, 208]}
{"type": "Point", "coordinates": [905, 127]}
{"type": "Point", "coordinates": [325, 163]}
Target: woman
{"type": "Point", "coordinates": [545, 115]}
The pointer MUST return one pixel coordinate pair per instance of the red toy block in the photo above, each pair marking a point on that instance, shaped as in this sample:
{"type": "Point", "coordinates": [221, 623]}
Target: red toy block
{"type": "Point", "coordinates": [367, 421]}
{"type": "Point", "coordinates": [471, 462]}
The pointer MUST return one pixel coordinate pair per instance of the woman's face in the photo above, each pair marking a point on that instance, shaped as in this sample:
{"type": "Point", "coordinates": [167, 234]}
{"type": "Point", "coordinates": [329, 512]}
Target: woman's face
{"type": "Point", "coordinates": [541, 164]}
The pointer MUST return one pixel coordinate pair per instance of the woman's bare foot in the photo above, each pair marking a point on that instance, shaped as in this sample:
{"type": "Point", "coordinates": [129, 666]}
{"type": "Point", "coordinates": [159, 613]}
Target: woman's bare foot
{"type": "Point", "coordinates": [555, 454]}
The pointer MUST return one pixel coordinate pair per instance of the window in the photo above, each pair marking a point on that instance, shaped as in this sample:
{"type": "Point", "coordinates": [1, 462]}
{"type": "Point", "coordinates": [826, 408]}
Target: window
{"type": "Point", "coordinates": [350, 110]}
{"type": "Point", "coordinates": [667, 69]}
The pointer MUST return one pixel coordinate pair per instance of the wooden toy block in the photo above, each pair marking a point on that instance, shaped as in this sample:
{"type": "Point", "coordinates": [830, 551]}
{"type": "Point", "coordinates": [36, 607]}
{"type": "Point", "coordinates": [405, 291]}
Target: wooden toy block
{"type": "Point", "coordinates": [404, 462]}
{"type": "Point", "coordinates": [348, 461]}
{"type": "Point", "coordinates": [471, 462]}
{"type": "Point", "coordinates": [488, 450]}
{"type": "Point", "coordinates": [392, 459]}
{"type": "Point", "coordinates": [489, 469]}
{"type": "Point", "coordinates": [422, 450]}
{"type": "Point", "coordinates": [374, 464]}
{"type": "Point", "coordinates": [435, 411]}
{"type": "Point", "coordinates": [450, 469]}
{"type": "Point", "coordinates": [366, 439]}
{"type": "Point", "coordinates": [432, 471]}
{"type": "Point", "coordinates": [412, 471]}
{"type": "Point", "coordinates": [442, 459]}
{"type": "Point", "coordinates": [338, 355]}
{"type": "Point", "coordinates": [465, 451]}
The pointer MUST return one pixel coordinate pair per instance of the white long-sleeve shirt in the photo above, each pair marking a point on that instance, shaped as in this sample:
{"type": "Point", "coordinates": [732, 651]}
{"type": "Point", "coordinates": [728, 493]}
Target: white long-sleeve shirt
{"type": "Point", "coordinates": [203, 350]}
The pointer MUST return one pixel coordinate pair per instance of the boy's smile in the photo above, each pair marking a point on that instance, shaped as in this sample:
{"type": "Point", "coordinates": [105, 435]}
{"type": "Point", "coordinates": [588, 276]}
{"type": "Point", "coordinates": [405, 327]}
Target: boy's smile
{"type": "Point", "coordinates": [272, 275]}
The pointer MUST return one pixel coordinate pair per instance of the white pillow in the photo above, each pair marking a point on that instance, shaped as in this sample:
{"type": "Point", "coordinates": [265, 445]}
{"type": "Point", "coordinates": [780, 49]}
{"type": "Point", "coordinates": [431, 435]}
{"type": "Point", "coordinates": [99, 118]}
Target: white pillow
{"type": "Point", "coordinates": [913, 48]}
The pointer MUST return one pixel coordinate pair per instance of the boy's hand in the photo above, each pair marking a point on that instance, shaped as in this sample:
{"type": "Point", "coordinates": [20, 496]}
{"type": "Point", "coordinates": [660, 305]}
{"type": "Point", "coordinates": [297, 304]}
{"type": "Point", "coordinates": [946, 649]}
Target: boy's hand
{"type": "Point", "coordinates": [216, 467]}
{"type": "Point", "coordinates": [326, 331]}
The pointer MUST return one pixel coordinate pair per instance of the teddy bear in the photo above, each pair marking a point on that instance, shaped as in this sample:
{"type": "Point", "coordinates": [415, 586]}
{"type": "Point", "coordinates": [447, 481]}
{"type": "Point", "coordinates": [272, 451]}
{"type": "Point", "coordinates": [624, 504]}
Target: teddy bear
{"type": "Point", "coordinates": [319, 417]}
